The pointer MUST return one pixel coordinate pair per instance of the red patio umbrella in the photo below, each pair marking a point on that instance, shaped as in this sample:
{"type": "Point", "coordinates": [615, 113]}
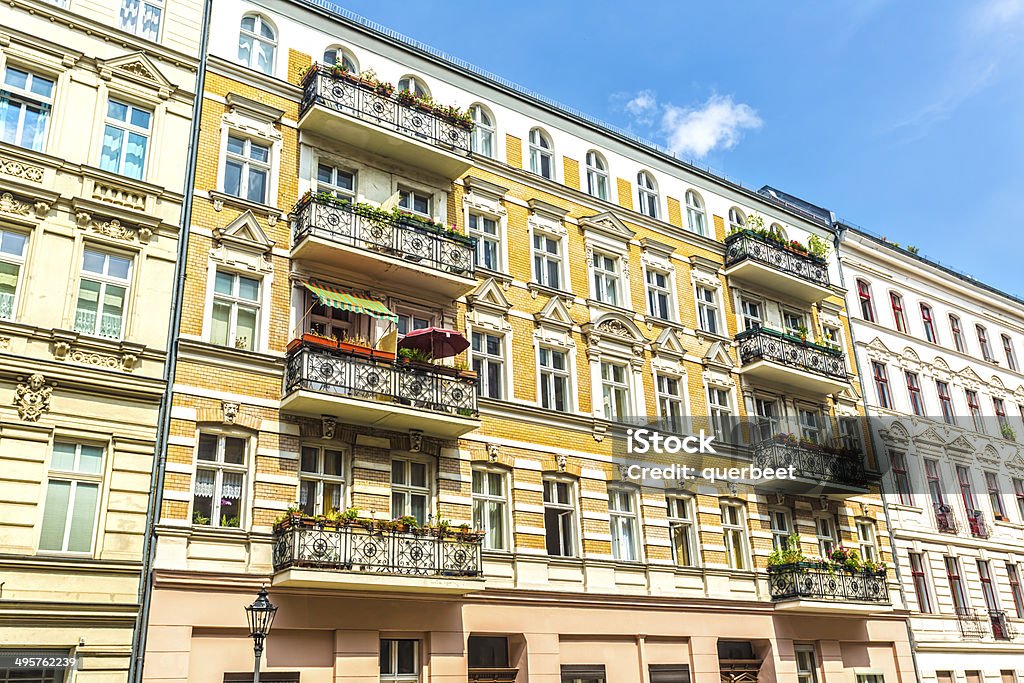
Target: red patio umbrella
{"type": "Point", "coordinates": [438, 341]}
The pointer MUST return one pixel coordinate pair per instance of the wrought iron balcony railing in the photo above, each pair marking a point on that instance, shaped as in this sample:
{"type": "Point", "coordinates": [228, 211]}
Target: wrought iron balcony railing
{"type": "Point", "coordinates": [749, 245]}
{"type": "Point", "coordinates": [973, 624]}
{"type": "Point", "coordinates": [803, 582]}
{"type": "Point", "coordinates": [353, 548]}
{"type": "Point", "coordinates": [762, 343]}
{"type": "Point", "coordinates": [944, 519]}
{"type": "Point", "coordinates": [424, 386]}
{"type": "Point", "coordinates": [813, 461]}
{"type": "Point", "coordinates": [976, 523]}
{"type": "Point", "coordinates": [345, 224]}
{"type": "Point", "coordinates": [362, 100]}
{"type": "Point", "coordinates": [1001, 627]}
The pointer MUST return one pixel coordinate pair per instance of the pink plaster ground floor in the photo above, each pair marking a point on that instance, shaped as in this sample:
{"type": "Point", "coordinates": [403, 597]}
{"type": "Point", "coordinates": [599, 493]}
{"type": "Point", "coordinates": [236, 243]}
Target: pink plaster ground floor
{"type": "Point", "coordinates": [197, 632]}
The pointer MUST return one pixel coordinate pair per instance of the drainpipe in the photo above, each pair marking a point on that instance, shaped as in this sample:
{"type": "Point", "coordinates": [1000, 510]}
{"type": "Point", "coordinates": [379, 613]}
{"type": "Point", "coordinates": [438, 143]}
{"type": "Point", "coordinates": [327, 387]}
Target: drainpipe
{"type": "Point", "coordinates": [164, 418]}
{"type": "Point", "coordinates": [839, 232]}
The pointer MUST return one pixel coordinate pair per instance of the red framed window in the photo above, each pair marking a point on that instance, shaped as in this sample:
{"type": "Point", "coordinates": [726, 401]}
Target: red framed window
{"type": "Point", "coordinates": [975, 407]}
{"type": "Point", "coordinates": [945, 402]}
{"type": "Point", "coordinates": [995, 497]}
{"type": "Point", "coordinates": [956, 585]}
{"type": "Point", "coordinates": [986, 586]}
{"type": "Point", "coordinates": [901, 477]}
{"type": "Point", "coordinates": [1015, 589]}
{"type": "Point", "coordinates": [931, 472]}
{"type": "Point", "coordinates": [1000, 408]}
{"type": "Point", "coordinates": [914, 391]}
{"type": "Point", "coordinates": [899, 318]}
{"type": "Point", "coordinates": [1018, 492]}
{"type": "Point", "coordinates": [881, 376]}
{"type": "Point", "coordinates": [986, 350]}
{"type": "Point", "coordinates": [924, 601]}
{"type": "Point", "coordinates": [963, 478]}
{"type": "Point", "coordinates": [928, 324]}
{"type": "Point", "coordinates": [1011, 357]}
{"type": "Point", "coordinates": [867, 308]}
{"type": "Point", "coordinates": [958, 334]}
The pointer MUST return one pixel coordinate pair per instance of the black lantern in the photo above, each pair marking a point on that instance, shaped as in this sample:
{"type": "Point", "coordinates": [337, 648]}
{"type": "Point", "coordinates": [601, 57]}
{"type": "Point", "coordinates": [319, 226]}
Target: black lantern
{"type": "Point", "coordinates": [261, 617]}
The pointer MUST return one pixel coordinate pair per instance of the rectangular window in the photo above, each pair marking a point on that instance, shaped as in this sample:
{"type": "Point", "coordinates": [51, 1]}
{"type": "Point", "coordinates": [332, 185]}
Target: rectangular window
{"type": "Point", "coordinates": [881, 375]}
{"type": "Point", "coordinates": [236, 311]}
{"type": "Point", "coordinates": [102, 294]}
{"type": "Point", "coordinates": [407, 322]}
{"type": "Point", "coordinates": [928, 324]}
{"type": "Point", "coordinates": [963, 477]}
{"type": "Point", "coordinates": [335, 181]}
{"type": "Point", "coordinates": [1011, 357]}
{"type": "Point", "coordinates": [720, 412]}
{"type": "Point", "coordinates": [974, 406]}
{"type": "Point", "coordinates": [898, 316]}
{"type": "Point", "coordinates": [221, 466]}
{"type": "Point", "coordinates": [559, 518]}
{"type": "Point", "coordinates": [247, 169]}
{"type": "Point", "coordinates": [914, 392]}
{"type": "Point", "coordinates": [26, 101]}
{"type": "Point", "coordinates": [825, 528]}
{"type": "Point", "coordinates": [142, 17]}
{"type": "Point", "coordinates": [995, 497]}
{"type": "Point", "coordinates": [806, 666]}
{"type": "Point", "coordinates": [810, 425]}
{"type": "Point", "coordinates": [753, 316]}
{"type": "Point", "coordinates": [489, 364]}
{"type": "Point", "coordinates": [606, 279]}
{"type": "Point", "coordinates": [72, 496]}
{"type": "Point", "coordinates": [1013, 575]}
{"type": "Point", "coordinates": [410, 489]}
{"type": "Point", "coordinates": [795, 323]}
{"type": "Point", "coordinates": [901, 477]}
{"type": "Point", "coordinates": [931, 471]}
{"type": "Point", "coordinates": [987, 590]}
{"type": "Point", "coordinates": [670, 403]}
{"type": "Point", "coordinates": [583, 673]}
{"type": "Point", "coordinates": [766, 419]}
{"type": "Point", "coordinates": [682, 529]}
{"type": "Point", "coordinates": [956, 585]}
{"type": "Point", "coordinates": [624, 525]}
{"type": "Point", "coordinates": [547, 261]}
{"type": "Point", "coordinates": [831, 337]}
{"type": "Point", "coordinates": [945, 401]}
{"type": "Point", "coordinates": [849, 433]}
{"type": "Point", "coordinates": [986, 350]}
{"type": "Point", "coordinates": [12, 258]}
{"type": "Point", "coordinates": [1018, 493]}
{"type": "Point", "coordinates": [867, 308]}
{"type": "Point", "coordinates": [866, 540]}
{"type": "Point", "coordinates": [486, 652]}
{"type": "Point", "coordinates": [125, 139]}
{"type": "Point", "coordinates": [488, 246]}
{"type": "Point", "coordinates": [554, 379]}
{"type": "Point", "coordinates": [707, 310]}
{"type": "Point", "coordinates": [659, 295]}
{"type": "Point", "coordinates": [782, 527]}
{"type": "Point", "coordinates": [328, 321]}
{"type": "Point", "coordinates": [615, 391]}
{"type": "Point", "coordinates": [490, 507]}
{"type": "Point", "coordinates": [958, 334]}
{"type": "Point", "coordinates": [924, 600]}
{"type": "Point", "coordinates": [1004, 425]}
{"type": "Point", "coordinates": [669, 673]}
{"type": "Point", "coordinates": [734, 531]}
{"type": "Point", "coordinates": [415, 201]}
{"type": "Point", "coordinates": [870, 678]}
{"type": "Point", "coordinates": [321, 480]}
{"type": "Point", "coordinates": [399, 660]}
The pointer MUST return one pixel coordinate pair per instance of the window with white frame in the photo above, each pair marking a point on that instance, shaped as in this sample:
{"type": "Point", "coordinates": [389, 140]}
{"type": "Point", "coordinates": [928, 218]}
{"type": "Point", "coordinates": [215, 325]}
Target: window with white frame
{"type": "Point", "coordinates": [72, 496]}
{"type": "Point", "coordinates": [719, 410]}
{"type": "Point", "coordinates": [409, 321]}
{"type": "Point", "coordinates": [416, 201]}
{"type": "Point", "coordinates": [825, 530]}
{"type": "Point", "coordinates": [330, 179]}
{"type": "Point", "coordinates": [660, 302]}
{"type": "Point", "coordinates": [752, 313]}
{"type": "Point", "coordinates": [257, 43]}
{"type": "Point", "coordinates": [547, 260]}
{"type": "Point", "coordinates": [414, 85]}
{"type": "Point", "coordinates": [707, 310]}
{"type": "Point", "coordinates": [647, 194]}
{"type": "Point", "coordinates": [734, 531]}
{"type": "Point", "coordinates": [410, 489]}
{"type": "Point", "coordinates": [806, 665]}
{"type": "Point", "coordinates": [781, 522]}
{"type": "Point", "coordinates": [12, 258]}
{"type": "Point", "coordinates": [337, 55]}
{"type": "Point", "coordinates": [327, 321]}
{"type": "Point", "coordinates": [234, 321]}
{"type": "Point", "coordinates": [766, 412]}
{"type": "Point", "coordinates": [490, 506]}
{"type": "Point", "coordinates": [670, 403]}
{"type": "Point", "coordinates": [221, 467]}
{"type": "Point", "coordinates": [247, 169]}
{"type": "Point", "coordinates": [489, 364]}
{"type": "Point", "coordinates": [26, 102]}
{"type": "Point", "coordinates": [606, 278]}
{"type": "Point", "coordinates": [125, 139]}
{"type": "Point", "coordinates": [615, 390]}
{"type": "Point", "coordinates": [541, 154]}
{"type": "Point", "coordinates": [597, 175]}
{"type": "Point", "coordinates": [810, 424]}
{"type": "Point", "coordinates": [559, 517]}
{"type": "Point", "coordinates": [849, 433]}
{"type": "Point", "coordinates": [737, 220]}
{"type": "Point", "coordinates": [831, 337]}
{"type": "Point", "coordinates": [696, 221]}
{"type": "Point", "coordinates": [321, 480]}
{"type": "Point", "coordinates": [488, 243]}
{"type": "Point", "coordinates": [866, 540]}
{"type": "Point", "coordinates": [682, 527]}
{"type": "Point", "coordinates": [142, 17]}
{"type": "Point", "coordinates": [554, 379]}
{"type": "Point", "coordinates": [102, 294]}
{"type": "Point", "coordinates": [482, 140]}
{"type": "Point", "coordinates": [399, 660]}
{"type": "Point", "coordinates": [795, 323]}
{"type": "Point", "coordinates": [624, 524]}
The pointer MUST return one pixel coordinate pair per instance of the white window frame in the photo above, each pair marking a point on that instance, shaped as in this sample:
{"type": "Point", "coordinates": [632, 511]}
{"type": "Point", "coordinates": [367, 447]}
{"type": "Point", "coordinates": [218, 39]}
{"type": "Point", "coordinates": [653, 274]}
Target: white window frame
{"type": "Point", "coordinates": [322, 479]}
{"type": "Point", "coordinates": [483, 126]}
{"type": "Point", "coordinates": [734, 535]}
{"type": "Point", "coordinates": [623, 516]}
{"type": "Point", "coordinates": [719, 412]}
{"type": "Point", "coordinates": [393, 663]}
{"type": "Point", "coordinates": [408, 490]}
{"type": "Point", "coordinates": [104, 280]}
{"type": "Point", "coordinates": [137, 27]}
{"type": "Point", "coordinates": [255, 37]}
{"type": "Point", "coordinates": [75, 478]}
{"type": "Point", "coordinates": [781, 525]}
{"type": "Point", "coordinates": [538, 150]}
{"type": "Point", "coordinates": [26, 98]}
{"type": "Point", "coordinates": [234, 301]}
{"type": "Point", "coordinates": [748, 318]}
{"type": "Point", "coordinates": [867, 545]}
{"type": "Point", "coordinates": [486, 359]}
{"type": "Point", "coordinates": [348, 60]}
{"type": "Point", "coordinates": [547, 374]}
{"type": "Point", "coordinates": [569, 508]}
{"type": "Point", "coordinates": [696, 217]}
{"type": "Point", "coordinates": [810, 423]}
{"type": "Point", "coordinates": [598, 178]}
{"type": "Point", "coordinates": [220, 468]}
{"type": "Point", "coordinates": [413, 84]}
{"type": "Point", "coordinates": [806, 664]}
{"type": "Point", "coordinates": [737, 219]}
{"type": "Point", "coordinates": [688, 523]}
{"type": "Point", "coordinates": [8, 310]}
{"type": "Point", "coordinates": [652, 289]}
{"type": "Point", "coordinates": [247, 164]}
{"type": "Point", "coordinates": [540, 275]}
{"type": "Point", "coordinates": [491, 499]}
{"type": "Point", "coordinates": [829, 540]}
{"type": "Point", "coordinates": [610, 387]}
{"type": "Point", "coordinates": [666, 400]}
{"type": "Point", "coordinates": [607, 284]}
{"type": "Point", "coordinates": [484, 237]}
{"type": "Point", "coordinates": [127, 129]}
{"type": "Point", "coordinates": [332, 186]}
{"type": "Point", "coordinates": [413, 194]}
{"type": "Point", "coordinates": [708, 310]}
{"type": "Point", "coordinates": [647, 195]}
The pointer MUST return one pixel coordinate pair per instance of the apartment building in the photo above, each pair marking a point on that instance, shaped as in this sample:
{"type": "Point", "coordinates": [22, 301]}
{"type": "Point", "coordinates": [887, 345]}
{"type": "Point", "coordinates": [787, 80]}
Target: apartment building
{"type": "Point", "coordinates": [939, 352]}
{"type": "Point", "coordinates": [96, 109]}
{"type": "Point", "coordinates": [448, 506]}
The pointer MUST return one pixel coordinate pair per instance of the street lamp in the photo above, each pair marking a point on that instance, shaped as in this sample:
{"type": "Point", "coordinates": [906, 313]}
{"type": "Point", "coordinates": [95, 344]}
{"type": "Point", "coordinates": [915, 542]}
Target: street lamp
{"type": "Point", "coordinates": [261, 616]}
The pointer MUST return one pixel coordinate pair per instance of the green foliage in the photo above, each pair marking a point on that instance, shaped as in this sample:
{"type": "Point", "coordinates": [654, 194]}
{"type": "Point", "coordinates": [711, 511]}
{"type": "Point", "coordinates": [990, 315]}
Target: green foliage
{"type": "Point", "coordinates": [200, 518]}
{"type": "Point", "coordinates": [818, 247]}
{"type": "Point", "coordinates": [415, 355]}
{"type": "Point", "coordinates": [791, 554]}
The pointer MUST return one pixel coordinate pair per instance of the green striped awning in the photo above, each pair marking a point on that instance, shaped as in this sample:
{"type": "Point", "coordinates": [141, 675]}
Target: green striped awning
{"type": "Point", "coordinates": [346, 301]}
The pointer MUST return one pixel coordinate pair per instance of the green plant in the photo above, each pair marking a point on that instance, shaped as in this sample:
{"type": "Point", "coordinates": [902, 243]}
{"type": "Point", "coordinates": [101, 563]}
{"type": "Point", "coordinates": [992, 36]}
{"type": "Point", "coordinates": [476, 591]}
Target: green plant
{"type": "Point", "coordinates": [350, 515]}
{"type": "Point", "coordinates": [912, 249]}
{"type": "Point", "coordinates": [1008, 432]}
{"type": "Point", "coordinates": [790, 554]}
{"type": "Point", "coordinates": [409, 522]}
{"type": "Point", "coordinates": [415, 355]}
{"type": "Point", "coordinates": [818, 247]}
{"type": "Point", "coordinates": [802, 332]}
{"type": "Point", "coordinates": [229, 522]}
{"type": "Point", "coordinates": [200, 518]}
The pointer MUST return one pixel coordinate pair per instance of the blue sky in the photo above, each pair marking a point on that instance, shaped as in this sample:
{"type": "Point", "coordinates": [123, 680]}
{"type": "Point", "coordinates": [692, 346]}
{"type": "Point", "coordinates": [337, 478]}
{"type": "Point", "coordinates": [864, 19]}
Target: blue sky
{"type": "Point", "coordinates": [906, 118]}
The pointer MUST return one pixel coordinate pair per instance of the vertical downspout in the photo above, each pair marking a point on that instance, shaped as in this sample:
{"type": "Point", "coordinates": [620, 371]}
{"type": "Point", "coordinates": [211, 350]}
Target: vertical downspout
{"type": "Point", "coordinates": [839, 231]}
{"type": "Point", "coordinates": [170, 365]}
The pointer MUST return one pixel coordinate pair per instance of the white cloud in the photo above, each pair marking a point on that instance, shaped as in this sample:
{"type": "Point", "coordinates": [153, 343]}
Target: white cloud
{"type": "Point", "coordinates": [998, 15]}
{"type": "Point", "coordinates": [643, 106]}
{"type": "Point", "coordinates": [718, 124]}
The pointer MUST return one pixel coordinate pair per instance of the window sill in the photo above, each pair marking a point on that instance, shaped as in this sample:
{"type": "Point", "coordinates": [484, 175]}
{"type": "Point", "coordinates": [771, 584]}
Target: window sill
{"type": "Point", "coordinates": [596, 303]}
{"type": "Point", "coordinates": [222, 199]}
{"type": "Point", "coordinates": [537, 288]}
{"type": "Point", "coordinates": [496, 274]}
{"type": "Point", "coordinates": [654, 321]}
{"type": "Point", "coordinates": [713, 336]}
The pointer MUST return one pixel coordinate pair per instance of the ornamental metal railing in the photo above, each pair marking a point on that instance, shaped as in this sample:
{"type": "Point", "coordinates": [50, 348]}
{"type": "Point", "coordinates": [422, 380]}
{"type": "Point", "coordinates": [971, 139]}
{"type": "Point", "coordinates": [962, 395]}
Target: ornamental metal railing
{"type": "Point", "coordinates": [1001, 627]}
{"type": "Point", "coordinates": [798, 581]}
{"type": "Point", "coordinates": [354, 548]}
{"type": "Point", "coordinates": [813, 461]}
{"type": "Point", "coordinates": [762, 343]}
{"type": "Point", "coordinates": [404, 238]}
{"type": "Point", "coordinates": [944, 519]}
{"type": "Point", "coordinates": [976, 523]}
{"type": "Point", "coordinates": [348, 94]}
{"type": "Point", "coordinates": [747, 245]}
{"type": "Point", "coordinates": [422, 385]}
{"type": "Point", "coordinates": [973, 624]}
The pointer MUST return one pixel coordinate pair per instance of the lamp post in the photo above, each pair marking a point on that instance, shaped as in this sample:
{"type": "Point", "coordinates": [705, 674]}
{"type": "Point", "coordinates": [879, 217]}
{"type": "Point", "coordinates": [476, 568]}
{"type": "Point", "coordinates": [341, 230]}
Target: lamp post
{"type": "Point", "coordinates": [261, 616]}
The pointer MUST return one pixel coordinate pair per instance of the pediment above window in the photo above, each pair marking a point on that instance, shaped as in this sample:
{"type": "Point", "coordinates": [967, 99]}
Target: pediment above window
{"type": "Point", "coordinates": [137, 68]}
{"type": "Point", "coordinates": [554, 314]}
{"type": "Point", "coordinates": [489, 295]}
{"type": "Point", "coordinates": [718, 356]}
{"type": "Point", "coordinates": [607, 224]}
{"type": "Point", "coordinates": [669, 345]}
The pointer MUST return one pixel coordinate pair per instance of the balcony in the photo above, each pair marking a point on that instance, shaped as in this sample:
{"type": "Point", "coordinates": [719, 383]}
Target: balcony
{"type": "Point", "coordinates": [781, 359]}
{"type": "Point", "coordinates": [409, 255]}
{"type": "Point", "coordinates": [379, 392]}
{"type": "Point", "coordinates": [944, 520]}
{"type": "Point", "coordinates": [976, 523]}
{"type": "Point", "coordinates": [1001, 627]}
{"type": "Point", "coordinates": [361, 113]}
{"type": "Point", "coordinates": [824, 468]}
{"type": "Point", "coordinates": [758, 261]}
{"type": "Point", "coordinates": [810, 588]}
{"type": "Point", "coordinates": [309, 554]}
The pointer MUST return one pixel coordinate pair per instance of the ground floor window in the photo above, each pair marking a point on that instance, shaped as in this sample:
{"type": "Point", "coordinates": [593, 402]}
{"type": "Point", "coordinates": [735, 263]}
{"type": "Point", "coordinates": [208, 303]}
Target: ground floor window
{"type": "Point", "coordinates": [33, 666]}
{"type": "Point", "coordinates": [583, 673]}
{"type": "Point", "coordinates": [399, 660]}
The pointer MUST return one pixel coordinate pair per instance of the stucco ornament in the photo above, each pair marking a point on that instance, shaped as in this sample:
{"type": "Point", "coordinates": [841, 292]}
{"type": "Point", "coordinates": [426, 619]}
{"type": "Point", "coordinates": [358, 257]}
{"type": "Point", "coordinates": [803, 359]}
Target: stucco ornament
{"type": "Point", "coordinates": [328, 426]}
{"type": "Point", "coordinates": [32, 398]}
{"type": "Point", "coordinates": [561, 460]}
{"type": "Point", "coordinates": [230, 409]}
{"type": "Point", "coordinates": [492, 452]}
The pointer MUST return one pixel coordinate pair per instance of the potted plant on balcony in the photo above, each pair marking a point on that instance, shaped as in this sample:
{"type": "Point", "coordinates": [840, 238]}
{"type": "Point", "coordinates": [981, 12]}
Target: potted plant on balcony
{"type": "Point", "coordinates": [464, 373]}
{"type": "Point", "coordinates": [416, 358]}
{"type": "Point", "coordinates": [791, 554]}
{"type": "Point", "coordinates": [356, 345]}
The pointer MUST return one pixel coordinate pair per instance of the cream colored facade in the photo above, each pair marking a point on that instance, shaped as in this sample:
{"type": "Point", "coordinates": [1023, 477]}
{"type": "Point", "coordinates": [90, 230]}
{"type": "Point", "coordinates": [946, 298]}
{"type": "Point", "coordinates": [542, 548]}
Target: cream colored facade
{"type": "Point", "coordinates": [90, 229]}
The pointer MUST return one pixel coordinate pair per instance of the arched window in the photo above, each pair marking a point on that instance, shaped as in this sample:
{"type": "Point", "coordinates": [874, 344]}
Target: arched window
{"type": "Point", "coordinates": [482, 141]}
{"type": "Point", "coordinates": [541, 154]}
{"type": "Point", "coordinates": [778, 230]}
{"type": "Point", "coordinates": [257, 43]}
{"type": "Point", "coordinates": [737, 220]}
{"type": "Point", "coordinates": [597, 175]}
{"type": "Point", "coordinates": [339, 55]}
{"type": "Point", "coordinates": [695, 219]}
{"type": "Point", "coordinates": [413, 85]}
{"type": "Point", "coordinates": [648, 194]}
